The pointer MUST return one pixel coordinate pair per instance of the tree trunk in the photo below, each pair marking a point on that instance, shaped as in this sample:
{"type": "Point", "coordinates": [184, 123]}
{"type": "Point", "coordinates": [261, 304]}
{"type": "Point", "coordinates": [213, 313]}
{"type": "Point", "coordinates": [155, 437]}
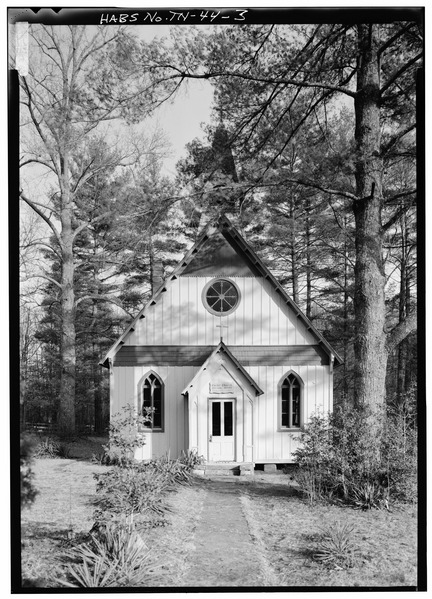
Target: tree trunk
{"type": "Point", "coordinates": [66, 414]}
{"type": "Point", "coordinates": [308, 262]}
{"type": "Point", "coordinates": [346, 333]}
{"type": "Point", "coordinates": [294, 266]}
{"type": "Point", "coordinates": [402, 350]}
{"type": "Point", "coordinates": [100, 420]}
{"type": "Point", "coordinates": [369, 304]}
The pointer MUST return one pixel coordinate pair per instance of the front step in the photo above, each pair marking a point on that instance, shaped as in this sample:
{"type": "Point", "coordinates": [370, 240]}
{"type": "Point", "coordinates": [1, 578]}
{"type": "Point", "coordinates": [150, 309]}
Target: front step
{"type": "Point", "coordinates": [224, 469]}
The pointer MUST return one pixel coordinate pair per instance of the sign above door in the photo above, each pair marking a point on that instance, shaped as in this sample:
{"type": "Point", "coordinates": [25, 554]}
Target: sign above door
{"type": "Point", "coordinates": [221, 388]}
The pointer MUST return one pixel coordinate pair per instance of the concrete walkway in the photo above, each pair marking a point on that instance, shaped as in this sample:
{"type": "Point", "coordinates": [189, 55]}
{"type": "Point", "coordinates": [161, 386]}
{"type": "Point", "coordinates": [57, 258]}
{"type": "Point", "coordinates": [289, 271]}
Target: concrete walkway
{"type": "Point", "coordinates": [225, 555]}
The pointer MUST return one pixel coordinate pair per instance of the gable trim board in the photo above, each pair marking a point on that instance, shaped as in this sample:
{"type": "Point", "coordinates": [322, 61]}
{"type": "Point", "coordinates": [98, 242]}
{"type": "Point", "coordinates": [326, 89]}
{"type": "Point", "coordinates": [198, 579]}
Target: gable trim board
{"type": "Point", "coordinates": [222, 350]}
{"type": "Point", "coordinates": [258, 268]}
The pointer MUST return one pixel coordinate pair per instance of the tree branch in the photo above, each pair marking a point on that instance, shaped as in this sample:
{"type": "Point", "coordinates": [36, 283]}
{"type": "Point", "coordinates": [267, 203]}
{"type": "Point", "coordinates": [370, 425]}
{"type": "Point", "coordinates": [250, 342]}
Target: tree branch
{"type": "Point", "coordinates": [35, 121]}
{"type": "Point", "coordinates": [281, 81]}
{"type": "Point", "coordinates": [42, 215]}
{"type": "Point", "coordinates": [385, 148]}
{"type": "Point", "coordinates": [38, 161]}
{"type": "Point", "coordinates": [50, 279]}
{"type": "Point", "coordinates": [398, 196]}
{"type": "Point", "coordinates": [105, 298]}
{"type": "Point", "coordinates": [344, 194]}
{"type": "Point", "coordinates": [396, 36]}
{"type": "Point", "coordinates": [396, 216]}
{"type": "Point", "coordinates": [398, 73]}
{"type": "Point", "coordinates": [45, 245]}
{"type": "Point", "coordinates": [93, 221]}
{"type": "Point", "coordinates": [401, 331]}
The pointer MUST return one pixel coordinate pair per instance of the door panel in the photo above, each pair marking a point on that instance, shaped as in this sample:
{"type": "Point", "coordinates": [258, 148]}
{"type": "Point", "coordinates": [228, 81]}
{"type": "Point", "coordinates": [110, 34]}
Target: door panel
{"type": "Point", "coordinates": [221, 430]}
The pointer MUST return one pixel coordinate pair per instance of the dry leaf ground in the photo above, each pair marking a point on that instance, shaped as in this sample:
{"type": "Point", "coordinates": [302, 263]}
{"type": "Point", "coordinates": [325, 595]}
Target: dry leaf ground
{"type": "Point", "coordinates": [281, 526]}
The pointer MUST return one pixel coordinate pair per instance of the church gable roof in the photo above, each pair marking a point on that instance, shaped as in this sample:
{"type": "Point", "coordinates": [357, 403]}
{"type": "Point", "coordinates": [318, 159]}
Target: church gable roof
{"type": "Point", "coordinates": [216, 257]}
{"type": "Point", "coordinates": [221, 242]}
{"type": "Point", "coordinates": [222, 350]}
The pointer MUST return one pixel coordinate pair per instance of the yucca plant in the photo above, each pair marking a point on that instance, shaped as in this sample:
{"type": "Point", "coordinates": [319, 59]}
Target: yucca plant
{"type": "Point", "coordinates": [335, 546]}
{"type": "Point", "coordinates": [93, 572]}
{"type": "Point", "coordinates": [116, 557]}
{"type": "Point", "coordinates": [132, 490]}
{"type": "Point", "coordinates": [369, 494]}
{"type": "Point", "coordinates": [191, 459]}
{"type": "Point", "coordinates": [175, 471]}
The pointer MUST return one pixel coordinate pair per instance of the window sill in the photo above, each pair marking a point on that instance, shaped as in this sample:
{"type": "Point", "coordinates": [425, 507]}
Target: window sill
{"type": "Point", "coordinates": [150, 430]}
{"type": "Point", "coordinates": [289, 430]}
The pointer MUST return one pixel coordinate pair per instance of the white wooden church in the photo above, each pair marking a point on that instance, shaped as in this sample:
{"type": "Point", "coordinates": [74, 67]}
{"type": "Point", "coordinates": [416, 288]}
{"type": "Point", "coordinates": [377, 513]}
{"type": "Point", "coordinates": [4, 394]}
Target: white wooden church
{"type": "Point", "coordinates": [229, 363]}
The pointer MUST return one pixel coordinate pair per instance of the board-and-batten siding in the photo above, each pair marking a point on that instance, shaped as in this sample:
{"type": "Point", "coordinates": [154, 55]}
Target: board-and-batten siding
{"type": "Point", "coordinates": [269, 444]}
{"type": "Point", "coordinates": [125, 391]}
{"type": "Point", "coordinates": [179, 318]}
{"type": "Point", "coordinates": [178, 334]}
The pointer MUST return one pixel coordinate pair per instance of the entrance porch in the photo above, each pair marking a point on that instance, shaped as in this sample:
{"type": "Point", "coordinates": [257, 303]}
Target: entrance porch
{"type": "Point", "coordinates": [220, 407]}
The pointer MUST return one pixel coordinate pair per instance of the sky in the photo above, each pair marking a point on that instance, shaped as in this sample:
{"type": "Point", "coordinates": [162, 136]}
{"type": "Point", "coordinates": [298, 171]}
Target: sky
{"type": "Point", "coordinates": [181, 120]}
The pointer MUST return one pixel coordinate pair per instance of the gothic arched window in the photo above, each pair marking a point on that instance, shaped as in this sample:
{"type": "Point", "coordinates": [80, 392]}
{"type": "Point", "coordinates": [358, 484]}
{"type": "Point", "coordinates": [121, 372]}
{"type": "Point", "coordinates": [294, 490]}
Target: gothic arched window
{"type": "Point", "coordinates": [152, 397]}
{"type": "Point", "coordinates": [290, 402]}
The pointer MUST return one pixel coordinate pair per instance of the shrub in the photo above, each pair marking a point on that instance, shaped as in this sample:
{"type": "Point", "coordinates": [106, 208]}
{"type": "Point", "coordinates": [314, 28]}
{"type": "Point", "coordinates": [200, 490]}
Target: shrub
{"type": "Point", "coordinates": [117, 557]}
{"type": "Point", "coordinates": [339, 458]}
{"type": "Point", "coordinates": [48, 448]}
{"type": "Point", "coordinates": [368, 494]}
{"type": "Point", "coordinates": [401, 448]}
{"type": "Point", "coordinates": [28, 491]}
{"type": "Point", "coordinates": [358, 471]}
{"type": "Point", "coordinates": [191, 459]}
{"type": "Point", "coordinates": [139, 488]}
{"type": "Point", "coordinates": [131, 491]}
{"type": "Point", "coordinates": [109, 458]}
{"type": "Point", "coordinates": [314, 458]}
{"type": "Point", "coordinates": [175, 471]}
{"type": "Point", "coordinates": [126, 435]}
{"type": "Point", "coordinates": [335, 547]}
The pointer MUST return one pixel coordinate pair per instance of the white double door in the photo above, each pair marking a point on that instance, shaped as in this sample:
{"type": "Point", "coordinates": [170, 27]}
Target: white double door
{"type": "Point", "coordinates": [221, 441]}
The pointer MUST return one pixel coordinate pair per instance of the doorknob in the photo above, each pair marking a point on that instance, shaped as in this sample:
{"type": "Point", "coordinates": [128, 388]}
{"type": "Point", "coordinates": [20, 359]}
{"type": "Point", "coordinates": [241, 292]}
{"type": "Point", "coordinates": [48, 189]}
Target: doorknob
{"type": "Point", "coordinates": [210, 438]}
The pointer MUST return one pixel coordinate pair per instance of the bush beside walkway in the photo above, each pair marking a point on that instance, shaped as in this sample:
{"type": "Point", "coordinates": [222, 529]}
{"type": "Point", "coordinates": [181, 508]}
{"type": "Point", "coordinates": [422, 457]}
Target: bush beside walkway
{"type": "Point", "coordinates": [281, 535]}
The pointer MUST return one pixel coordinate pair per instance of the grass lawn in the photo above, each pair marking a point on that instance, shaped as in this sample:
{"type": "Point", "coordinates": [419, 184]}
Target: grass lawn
{"type": "Point", "coordinates": [283, 526]}
{"type": "Point", "coordinates": [63, 509]}
{"type": "Point", "coordinates": [288, 529]}
{"type": "Point", "coordinates": [63, 514]}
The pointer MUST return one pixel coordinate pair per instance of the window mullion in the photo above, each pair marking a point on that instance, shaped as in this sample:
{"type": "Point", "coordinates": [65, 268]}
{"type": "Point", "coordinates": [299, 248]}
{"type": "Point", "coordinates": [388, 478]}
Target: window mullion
{"type": "Point", "coordinates": [290, 410]}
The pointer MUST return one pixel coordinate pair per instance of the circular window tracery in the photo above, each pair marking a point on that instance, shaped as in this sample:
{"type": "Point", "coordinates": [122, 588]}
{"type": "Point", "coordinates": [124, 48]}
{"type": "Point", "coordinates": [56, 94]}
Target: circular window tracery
{"type": "Point", "coordinates": [221, 297]}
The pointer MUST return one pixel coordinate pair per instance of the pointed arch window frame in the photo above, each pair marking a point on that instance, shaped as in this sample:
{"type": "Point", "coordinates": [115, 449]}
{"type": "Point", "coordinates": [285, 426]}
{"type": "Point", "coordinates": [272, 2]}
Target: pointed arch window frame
{"type": "Point", "coordinates": [141, 387]}
{"type": "Point", "coordinates": [289, 427]}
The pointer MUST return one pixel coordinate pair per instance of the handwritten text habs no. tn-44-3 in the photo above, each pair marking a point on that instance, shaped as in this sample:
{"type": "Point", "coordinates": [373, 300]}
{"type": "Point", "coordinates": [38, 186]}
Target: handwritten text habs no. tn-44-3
{"type": "Point", "coordinates": [172, 16]}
